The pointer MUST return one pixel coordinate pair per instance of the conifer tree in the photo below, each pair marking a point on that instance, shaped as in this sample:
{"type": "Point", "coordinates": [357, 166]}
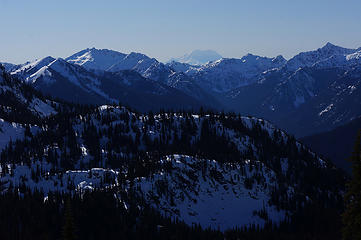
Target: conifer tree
{"type": "Point", "coordinates": [69, 226]}
{"type": "Point", "coordinates": [352, 214]}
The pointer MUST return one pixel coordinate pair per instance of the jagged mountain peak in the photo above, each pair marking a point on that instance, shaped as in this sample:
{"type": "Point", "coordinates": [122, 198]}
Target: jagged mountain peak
{"type": "Point", "coordinates": [279, 58]}
{"type": "Point", "coordinates": [330, 48]}
{"type": "Point", "coordinates": [330, 45]}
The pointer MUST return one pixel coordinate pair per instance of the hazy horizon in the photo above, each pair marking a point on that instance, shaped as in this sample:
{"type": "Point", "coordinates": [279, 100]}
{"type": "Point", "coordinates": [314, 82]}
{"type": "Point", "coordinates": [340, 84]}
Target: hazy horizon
{"type": "Point", "coordinates": [32, 30]}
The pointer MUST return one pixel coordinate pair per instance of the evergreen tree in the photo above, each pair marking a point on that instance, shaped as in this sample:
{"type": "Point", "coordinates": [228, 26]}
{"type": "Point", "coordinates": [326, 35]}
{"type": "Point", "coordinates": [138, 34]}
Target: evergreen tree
{"type": "Point", "coordinates": [352, 214]}
{"type": "Point", "coordinates": [69, 226]}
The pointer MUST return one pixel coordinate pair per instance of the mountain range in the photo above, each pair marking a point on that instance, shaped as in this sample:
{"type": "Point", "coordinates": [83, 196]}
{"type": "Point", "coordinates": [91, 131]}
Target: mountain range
{"type": "Point", "coordinates": [312, 92]}
{"type": "Point", "coordinates": [67, 137]}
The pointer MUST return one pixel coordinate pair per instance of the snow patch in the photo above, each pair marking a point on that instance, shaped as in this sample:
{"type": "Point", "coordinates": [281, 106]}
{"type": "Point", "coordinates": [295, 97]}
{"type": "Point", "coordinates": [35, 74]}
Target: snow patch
{"type": "Point", "coordinates": [327, 109]}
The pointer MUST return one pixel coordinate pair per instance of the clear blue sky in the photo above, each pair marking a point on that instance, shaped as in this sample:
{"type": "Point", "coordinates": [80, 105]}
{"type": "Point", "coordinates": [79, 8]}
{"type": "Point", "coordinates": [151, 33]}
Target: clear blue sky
{"type": "Point", "coordinates": [168, 28]}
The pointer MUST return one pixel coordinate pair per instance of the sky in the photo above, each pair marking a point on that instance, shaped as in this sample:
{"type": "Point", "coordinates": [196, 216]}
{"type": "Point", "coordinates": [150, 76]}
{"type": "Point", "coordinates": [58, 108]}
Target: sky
{"type": "Point", "coordinates": [170, 28]}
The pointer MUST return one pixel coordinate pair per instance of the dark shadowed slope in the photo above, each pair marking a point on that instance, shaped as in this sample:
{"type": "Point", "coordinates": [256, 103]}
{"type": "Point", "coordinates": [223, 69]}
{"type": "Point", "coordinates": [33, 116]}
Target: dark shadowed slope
{"type": "Point", "coordinates": [336, 144]}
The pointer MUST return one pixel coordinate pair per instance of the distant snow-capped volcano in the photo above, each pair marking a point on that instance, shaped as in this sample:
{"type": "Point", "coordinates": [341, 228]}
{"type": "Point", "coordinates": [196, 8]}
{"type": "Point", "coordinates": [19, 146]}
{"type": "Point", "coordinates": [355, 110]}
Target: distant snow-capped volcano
{"type": "Point", "coordinates": [198, 57]}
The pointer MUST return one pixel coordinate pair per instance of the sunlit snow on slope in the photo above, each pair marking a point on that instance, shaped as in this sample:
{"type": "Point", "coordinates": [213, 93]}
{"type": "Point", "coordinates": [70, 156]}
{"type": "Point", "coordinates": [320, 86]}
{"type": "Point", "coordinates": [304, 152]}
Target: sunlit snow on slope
{"type": "Point", "coordinates": [197, 191]}
{"type": "Point", "coordinates": [213, 195]}
{"type": "Point", "coordinates": [95, 59]}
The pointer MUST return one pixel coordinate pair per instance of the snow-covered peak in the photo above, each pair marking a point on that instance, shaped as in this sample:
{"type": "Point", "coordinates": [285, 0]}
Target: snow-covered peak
{"type": "Point", "coordinates": [29, 68]}
{"type": "Point", "coordinates": [109, 60]}
{"type": "Point", "coordinates": [308, 59]}
{"type": "Point", "coordinates": [71, 72]}
{"type": "Point", "coordinates": [45, 71]}
{"type": "Point", "coordinates": [96, 59]}
{"type": "Point", "coordinates": [198, 57]}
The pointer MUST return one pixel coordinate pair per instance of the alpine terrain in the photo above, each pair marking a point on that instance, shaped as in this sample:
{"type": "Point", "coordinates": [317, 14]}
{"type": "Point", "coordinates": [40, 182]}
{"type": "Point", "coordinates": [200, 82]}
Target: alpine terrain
{"type": "Point", "coordinates": [106, 171]}
{"type": "Point", "coordinates": [318, 90]}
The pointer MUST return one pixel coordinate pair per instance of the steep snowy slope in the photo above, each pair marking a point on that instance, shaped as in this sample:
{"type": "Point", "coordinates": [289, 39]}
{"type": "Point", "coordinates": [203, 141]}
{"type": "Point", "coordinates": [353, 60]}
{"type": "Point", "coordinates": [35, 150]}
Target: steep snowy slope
{"type": "Point", "coordinates": [17, 96]}
{"type": "Point", "coordinates": [67, 81]}
{"type": "Point", "coordinates": [26, 70]}
{"type": "Point", "coordinates": [20, 108]}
